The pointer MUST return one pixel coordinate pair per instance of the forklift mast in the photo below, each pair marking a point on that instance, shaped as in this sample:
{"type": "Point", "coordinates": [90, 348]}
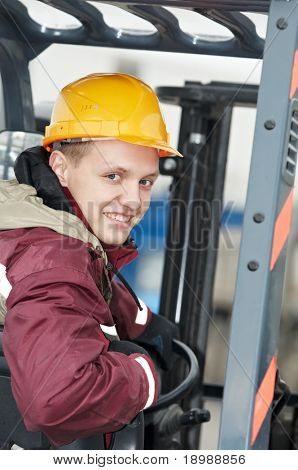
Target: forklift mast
{"type": "Point", "coordinates": [191, 253]}
{"type": "Point", "coordinates": [251, 370]}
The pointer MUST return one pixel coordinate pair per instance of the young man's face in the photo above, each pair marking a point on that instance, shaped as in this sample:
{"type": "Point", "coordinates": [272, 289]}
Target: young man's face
{"type": "Point", "coordinates": [112, 185]}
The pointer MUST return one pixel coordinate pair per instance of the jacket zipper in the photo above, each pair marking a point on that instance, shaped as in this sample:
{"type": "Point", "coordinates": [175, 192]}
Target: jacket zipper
{"type": "Point", "coordinates": [110, 267]}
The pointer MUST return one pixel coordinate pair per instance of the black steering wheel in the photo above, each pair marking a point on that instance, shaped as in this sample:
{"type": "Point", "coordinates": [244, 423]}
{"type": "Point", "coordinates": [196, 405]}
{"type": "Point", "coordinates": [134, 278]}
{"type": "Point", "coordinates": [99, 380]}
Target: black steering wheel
{"type": "Point", "coordinates": [131, 436]}
{"type": "Point", "coordinates": [184, 387]}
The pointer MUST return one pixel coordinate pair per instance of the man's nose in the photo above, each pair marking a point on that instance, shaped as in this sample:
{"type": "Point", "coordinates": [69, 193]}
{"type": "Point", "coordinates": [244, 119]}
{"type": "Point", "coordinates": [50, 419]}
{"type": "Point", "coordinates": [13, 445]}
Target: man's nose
{"type": "Point", "coordinates": [131, 196]}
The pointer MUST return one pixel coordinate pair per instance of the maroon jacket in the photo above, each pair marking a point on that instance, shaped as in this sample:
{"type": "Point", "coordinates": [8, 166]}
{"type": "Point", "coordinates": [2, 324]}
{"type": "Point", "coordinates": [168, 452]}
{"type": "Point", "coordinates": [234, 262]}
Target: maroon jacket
{"type": "Point", "coordinates": [65, 381]}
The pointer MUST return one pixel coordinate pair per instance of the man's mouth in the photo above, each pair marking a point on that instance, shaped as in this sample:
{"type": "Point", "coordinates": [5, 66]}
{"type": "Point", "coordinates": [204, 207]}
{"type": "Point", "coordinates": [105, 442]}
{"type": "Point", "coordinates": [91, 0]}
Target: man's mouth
{"type": "Point", "coordinates": [122, 220]}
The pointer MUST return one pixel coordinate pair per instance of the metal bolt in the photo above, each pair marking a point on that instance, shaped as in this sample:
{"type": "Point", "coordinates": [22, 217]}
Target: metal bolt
{"type": "Point", "coordinates": [197, 138]}
{"type": "Point", "coordinates": [169, 164]}
{"type": "Point", "coordinates": [253, 265]}
{"type": "Point", "coordinates": [259, 218]}
{"type": "Point", "coordinates": [270, 124]}
{"type": "Point", "coordinates": [281, 23]}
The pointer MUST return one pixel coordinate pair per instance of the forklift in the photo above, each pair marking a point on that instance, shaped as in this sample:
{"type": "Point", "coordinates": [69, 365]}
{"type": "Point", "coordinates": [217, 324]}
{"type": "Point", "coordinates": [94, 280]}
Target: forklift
{"type": "Point", "coordinates": [253, 394]}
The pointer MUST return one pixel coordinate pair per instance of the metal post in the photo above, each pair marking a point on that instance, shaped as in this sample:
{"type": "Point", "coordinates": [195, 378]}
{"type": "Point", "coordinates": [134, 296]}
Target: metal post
{"type": "Point", "coordinates": [251, 368]}
{"type": "Point", "coordinates": [18, 104]}
{"type": "Point", "coordinates": [197, 304]}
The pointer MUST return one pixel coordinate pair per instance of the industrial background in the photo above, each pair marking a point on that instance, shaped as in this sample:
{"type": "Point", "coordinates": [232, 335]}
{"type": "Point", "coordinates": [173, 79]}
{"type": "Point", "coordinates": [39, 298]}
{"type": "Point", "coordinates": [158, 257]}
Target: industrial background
{"type": "Point", "coordinates": [61, 64]}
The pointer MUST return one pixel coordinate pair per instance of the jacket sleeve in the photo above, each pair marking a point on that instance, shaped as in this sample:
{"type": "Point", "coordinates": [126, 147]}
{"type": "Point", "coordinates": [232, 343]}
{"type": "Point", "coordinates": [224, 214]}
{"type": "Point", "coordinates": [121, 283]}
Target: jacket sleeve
{"type": "Point", "coordinates": [65, 381]}
{"type": "Point", "coordinates": [130, 320]}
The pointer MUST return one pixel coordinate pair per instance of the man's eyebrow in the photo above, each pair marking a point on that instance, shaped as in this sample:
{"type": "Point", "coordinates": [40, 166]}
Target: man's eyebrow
{"type": "Point", "coordinates": [155, 174]}
{"type": "Point", "coordinates": [124, 170]}
{"type": "Point", "coordinates": [114, 168]}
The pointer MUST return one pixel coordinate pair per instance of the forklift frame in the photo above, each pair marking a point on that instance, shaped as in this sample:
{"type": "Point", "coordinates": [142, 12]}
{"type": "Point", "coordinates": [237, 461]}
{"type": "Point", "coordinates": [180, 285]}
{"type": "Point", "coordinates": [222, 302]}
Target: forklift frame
{"type": "Point", "coordinates": [251, 368]}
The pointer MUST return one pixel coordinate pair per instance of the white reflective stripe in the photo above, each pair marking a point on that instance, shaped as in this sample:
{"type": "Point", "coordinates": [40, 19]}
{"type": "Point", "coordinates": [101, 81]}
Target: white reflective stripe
{"type": "Point", "coordinates": [142, 361]}
{"type": "Point", "coordinates": [110, 330]}
{"type": "Point", "coordinates": [142, 315]}
{"type": "Point", "coordinates": [5, 286]}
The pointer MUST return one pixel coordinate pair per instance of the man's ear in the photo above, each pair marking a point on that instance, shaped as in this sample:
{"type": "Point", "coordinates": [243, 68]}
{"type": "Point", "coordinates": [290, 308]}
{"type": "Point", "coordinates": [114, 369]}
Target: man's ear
{"type": "Point", "coordinates": [59, 165]}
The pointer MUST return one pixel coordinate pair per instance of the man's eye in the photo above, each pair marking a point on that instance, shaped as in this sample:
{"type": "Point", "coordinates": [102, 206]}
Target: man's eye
{"type": "Point", "coordinates": [146, 183]}
{"type": "Point", "coordinates": [113, 177]}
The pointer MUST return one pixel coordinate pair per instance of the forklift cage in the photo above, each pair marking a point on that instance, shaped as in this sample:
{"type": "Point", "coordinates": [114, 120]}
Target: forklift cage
{"type": "Point", "coordinates": [251, 374]}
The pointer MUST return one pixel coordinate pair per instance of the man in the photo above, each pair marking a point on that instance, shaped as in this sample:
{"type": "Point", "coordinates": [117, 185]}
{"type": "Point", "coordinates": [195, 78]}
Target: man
{"type": "Point", "coordinates": [65, 224]}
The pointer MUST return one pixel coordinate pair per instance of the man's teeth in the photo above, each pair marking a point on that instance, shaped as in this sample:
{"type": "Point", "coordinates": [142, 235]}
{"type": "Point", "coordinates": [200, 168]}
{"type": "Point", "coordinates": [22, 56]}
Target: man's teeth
{"type": "Point", "coordinates": [119, 217]}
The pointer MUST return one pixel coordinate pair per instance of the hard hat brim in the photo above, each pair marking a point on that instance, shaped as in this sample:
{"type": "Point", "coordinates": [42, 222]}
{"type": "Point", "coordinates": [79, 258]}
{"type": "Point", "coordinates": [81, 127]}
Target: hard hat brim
{"type": "Point", "coordinates": [164, 150]}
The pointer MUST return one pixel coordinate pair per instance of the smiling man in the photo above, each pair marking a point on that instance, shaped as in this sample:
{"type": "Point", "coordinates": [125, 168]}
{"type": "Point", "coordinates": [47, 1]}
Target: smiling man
{"type": "Point", "coordinates": [65, 223]}
{"type": "Point", "coordinates": [112, 184]}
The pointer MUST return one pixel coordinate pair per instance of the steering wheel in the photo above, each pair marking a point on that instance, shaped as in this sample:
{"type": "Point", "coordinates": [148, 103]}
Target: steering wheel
{"type": "Point", "coordinates": [131, 436]}
{"type": "Point", "coordinates": [184, 387]}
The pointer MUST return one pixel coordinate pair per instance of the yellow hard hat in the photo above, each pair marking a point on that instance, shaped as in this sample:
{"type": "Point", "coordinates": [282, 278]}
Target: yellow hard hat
{"type": "Point", "coordinates": [112, 105]}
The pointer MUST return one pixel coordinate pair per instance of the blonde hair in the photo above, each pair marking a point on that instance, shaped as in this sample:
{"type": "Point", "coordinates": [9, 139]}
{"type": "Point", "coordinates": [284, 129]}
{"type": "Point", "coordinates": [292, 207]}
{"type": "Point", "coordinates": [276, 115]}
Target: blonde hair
{"type": "Point", "coordinates": [76, 151]}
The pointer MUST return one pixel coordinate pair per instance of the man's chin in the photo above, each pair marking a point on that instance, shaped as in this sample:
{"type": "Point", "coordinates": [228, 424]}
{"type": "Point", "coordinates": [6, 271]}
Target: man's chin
{"type": "Point", "coordinates": [113, 239]}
